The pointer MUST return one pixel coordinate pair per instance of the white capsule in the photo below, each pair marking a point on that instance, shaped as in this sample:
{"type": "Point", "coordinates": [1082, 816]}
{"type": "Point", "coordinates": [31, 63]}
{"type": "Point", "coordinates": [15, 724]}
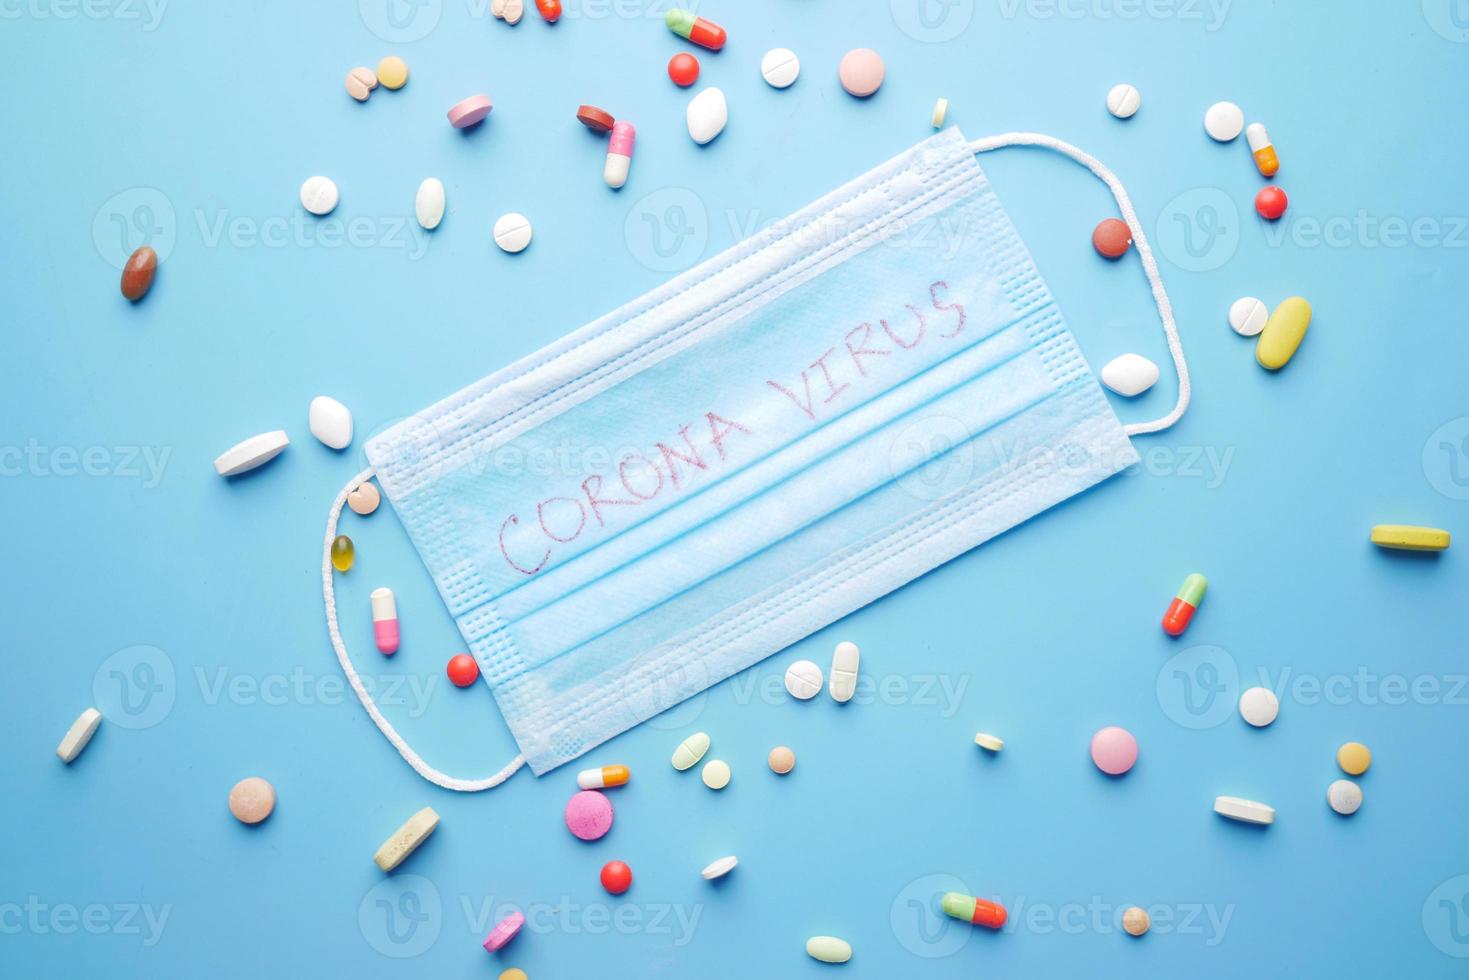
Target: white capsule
{"type": "Point", "coordinates": [844, 661]}
{"type": "Point", "coordinates": [1246, 811]}
{"type": "Point", "coordinates": [78, 735]}
{"type": "Point", "coordinates": [254, 451]}
{"type": "Point", "coordinates": [803, 680]}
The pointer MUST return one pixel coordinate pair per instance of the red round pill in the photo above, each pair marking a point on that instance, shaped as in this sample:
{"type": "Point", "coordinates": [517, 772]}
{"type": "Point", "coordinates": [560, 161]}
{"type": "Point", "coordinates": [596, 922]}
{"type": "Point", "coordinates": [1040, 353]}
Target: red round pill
{"type": "Point", "coordinates": [597, 120]}
{"type": "Point", "coordinates": [1271, 203]}
{"type": "Point", "coordinates": [616, 877]}
{"type": "Point", "coordinates": [463, 671]}
{"type": "Point", "coordinates": [683, 69]}
{"type": "Point", "coordinates": [1112, 238]}
{"type": "Point", "coordinates": [550, 10]}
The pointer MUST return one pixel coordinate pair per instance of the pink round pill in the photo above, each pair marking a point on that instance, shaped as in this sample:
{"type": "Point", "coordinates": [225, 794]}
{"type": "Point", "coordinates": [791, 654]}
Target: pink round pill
{"type": "Point", "coordinates": [589, 815]}
{"type": "Point", "coordinates": [861, 72]}
{"type": "Point", "coordinates": [504, 931]}
{"type": "Point", "coordinates": [1114, 750]}
{"type": "Point", "coordinates": [470, 112]}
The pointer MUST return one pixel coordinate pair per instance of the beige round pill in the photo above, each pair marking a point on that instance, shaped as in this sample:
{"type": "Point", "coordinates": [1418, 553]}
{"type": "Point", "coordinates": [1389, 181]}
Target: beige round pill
{"type": "Point", "coordinates": [782, 760]}
{"type": "Point", "coordinates": [360, 83]}
{"type": "Point", "coordinates": [252, 800]}
{"type": "Point", "coordinates": [1135, 921]}
{"type": "Point", "coordinates": [716, 774]}
{"type": "Point", "coordinates": [364, 499]}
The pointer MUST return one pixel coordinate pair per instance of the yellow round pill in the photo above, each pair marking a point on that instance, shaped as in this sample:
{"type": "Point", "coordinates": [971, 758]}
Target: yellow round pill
{"type": "Point", "coordinates": [392, 72]}
{"type": "Point", "coordinates": [514, 973]}
{"type": "Point", "coordinates": [1354, 758]}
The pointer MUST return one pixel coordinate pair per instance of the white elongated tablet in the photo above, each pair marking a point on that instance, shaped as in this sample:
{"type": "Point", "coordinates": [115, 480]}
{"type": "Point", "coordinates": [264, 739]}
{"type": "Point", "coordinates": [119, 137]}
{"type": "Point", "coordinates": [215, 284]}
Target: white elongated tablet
{"type": "Point", "coordinates": [405, 839]}
{"type": "Point", "coordinates": [843, 681]}
{"type": "Point", "coordinates": [720, 868]}
{"type": "Point", "coordinates": [330, 421]}
{"type": "Point", "coordinates": [803, 680]}
{"type": "Point", "coordinates": [428, 203]}
{"type": "Point", "coordinates": [78, 735]}
{"type": "Point", "coordinates": [989, 742]}
{"type": "Point", "coordinates": [707, 114]}
{"type": "Point", "coordinates": [1247, 811]}
{"type": "Point", "coordinates": [254, 451]}
{"type": "Point", "coordinates": [690, 751]}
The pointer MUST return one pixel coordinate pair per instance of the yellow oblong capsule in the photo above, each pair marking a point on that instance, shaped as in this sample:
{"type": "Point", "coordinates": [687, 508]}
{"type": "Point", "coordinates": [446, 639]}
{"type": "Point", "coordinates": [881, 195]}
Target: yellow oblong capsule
{"type": "Point", "coordinates": [1283, 333]}
{"type": "Point", "coordinates": [1406, 537]}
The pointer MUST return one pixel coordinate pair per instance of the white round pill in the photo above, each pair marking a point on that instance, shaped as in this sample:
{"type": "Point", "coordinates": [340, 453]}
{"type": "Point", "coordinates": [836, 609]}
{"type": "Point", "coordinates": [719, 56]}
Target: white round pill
{"type": "Point", "coordinates": [1259, 706]}
{"type": "Point", "coordinates": [780, 66]}
{"type": "Point", "coordinates": [319, 195]}
{"type": "Point", "coordinates": [803, 680]}
{"type": "Point", "coordinates": [715, 774]}
{"type": "Point", "coordinates": [1247, 316]}
{"type": "Point", "coordinates": [512, 232]}
{"type": "Point", "coordinates": [1224, 121]}
{"type": "Point", "coordinates": [1124, 101]}
{"type": "Point", "coordinates": [1344, 796]}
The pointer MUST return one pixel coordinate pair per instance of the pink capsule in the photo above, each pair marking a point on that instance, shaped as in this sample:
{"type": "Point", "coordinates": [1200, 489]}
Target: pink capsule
{"type": "Point", "coordinates": [385, 620]}
{"type": "Point", "coordinates": [619, 154]}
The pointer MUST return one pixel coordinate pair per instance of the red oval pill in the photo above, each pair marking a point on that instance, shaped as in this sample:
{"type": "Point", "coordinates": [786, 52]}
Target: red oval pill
{"type": "Point", "coordinates": [137, 275]}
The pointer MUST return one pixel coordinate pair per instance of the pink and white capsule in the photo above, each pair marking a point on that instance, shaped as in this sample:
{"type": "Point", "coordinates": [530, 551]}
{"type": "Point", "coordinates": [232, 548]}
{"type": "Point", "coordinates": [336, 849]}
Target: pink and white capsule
{"type": "Point", "coordinates": [385, 620]}
{"type": "Point", "coordinates": [619, 154]}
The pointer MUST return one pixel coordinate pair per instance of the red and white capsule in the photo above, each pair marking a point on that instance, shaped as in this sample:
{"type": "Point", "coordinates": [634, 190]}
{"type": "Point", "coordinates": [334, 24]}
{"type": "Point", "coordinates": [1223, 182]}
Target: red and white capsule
{"type": "Point", "coordinates": [385, 620]}
{"type": "Point", "coordinates": [619, 154]}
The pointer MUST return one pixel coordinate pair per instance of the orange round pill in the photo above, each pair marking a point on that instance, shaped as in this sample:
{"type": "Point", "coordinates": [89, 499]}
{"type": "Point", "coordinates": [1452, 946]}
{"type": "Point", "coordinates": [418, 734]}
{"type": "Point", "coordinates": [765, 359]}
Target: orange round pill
{"type": "Point", "coordinates": [252, 799]}
{"type": "Point", "coordinates": [1112, 238]}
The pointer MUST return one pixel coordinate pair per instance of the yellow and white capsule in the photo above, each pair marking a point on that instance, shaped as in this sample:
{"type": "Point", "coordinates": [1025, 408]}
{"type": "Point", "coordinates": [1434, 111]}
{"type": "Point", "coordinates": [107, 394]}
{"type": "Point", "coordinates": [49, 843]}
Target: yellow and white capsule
{"type": "Point", "coordinates": [1264, 151]}
{"type": "Point", "coordinates": [603, 778]}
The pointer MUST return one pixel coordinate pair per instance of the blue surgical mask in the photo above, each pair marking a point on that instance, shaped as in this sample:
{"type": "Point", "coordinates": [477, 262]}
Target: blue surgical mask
{"type": "Point", "coordinates": [787, 432]}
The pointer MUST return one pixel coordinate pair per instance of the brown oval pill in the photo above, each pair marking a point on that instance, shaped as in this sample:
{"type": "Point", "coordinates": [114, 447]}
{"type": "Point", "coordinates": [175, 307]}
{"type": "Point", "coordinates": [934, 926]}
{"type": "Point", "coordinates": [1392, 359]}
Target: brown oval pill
{"type": "Point", "coordinates": [597, 120]}
{"type": "Point", "coordinates": [137, 275]}
{"type": "Point", "coordinates": [252, 799]}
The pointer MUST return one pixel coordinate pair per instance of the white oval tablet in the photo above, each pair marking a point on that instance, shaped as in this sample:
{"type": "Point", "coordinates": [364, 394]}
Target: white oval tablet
{"type": "Point", "coordinates": [514, 10]}
{"type": "Point", "coordinates": [989, 742]}
{"type": "Point", "coordinates": [254, 451]}
{"type": "Point", "coordinates": [512, 232]}
{"type": "Point", "coordinates": [720, 868]}
{"type": "Point", "coordinates": [1130, 374]}
{"type": "Point", "coordinates": [780, 66]}
{"type": "Point", "coordinates": [1247, 315]}
{"type": "Point", "coordinates": [1344, 796]}
{"type": "Point", "coordinates": [1247, 811]}
{"type": "Point", "coordinates": [331, 422]}
{"type": "Point", "coordinates": [1259, 706]}
{"type": "Point", "coordinates": [803, 680]}
{"type": "Point", "coordinates": [690, 751]}
{"type": "Point", "coordinates": [78, 735]}
{"type": "Point", "coordinates": [844, 661]}
{"type": "Point", "coordinates": [1124, 101]}
{"type": "Point", "coordinates": [319, 195]}
{"type": "Point", "coordinates": [1224, 121]}
{"type": "Point", "coordinates": [940, 113]}
{"type": "Point", "coordinates": [428, 204]}
{"type": "Point", "coordinates": [707, 114]}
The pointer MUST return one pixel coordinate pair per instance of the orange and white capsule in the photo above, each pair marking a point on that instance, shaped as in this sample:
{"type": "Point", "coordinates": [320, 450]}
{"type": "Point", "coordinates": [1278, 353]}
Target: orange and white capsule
{"type": "Point", "coordinates": [603, 778]}
{"type": "Point", "coordinates": [619, 154]}
{"type": "Point", "coordinates": [1264, 151]}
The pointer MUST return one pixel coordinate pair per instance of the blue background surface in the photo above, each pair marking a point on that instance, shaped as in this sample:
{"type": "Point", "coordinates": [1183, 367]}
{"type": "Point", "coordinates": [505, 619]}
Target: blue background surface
{"type": "Point", "coordinates": [188, 608]}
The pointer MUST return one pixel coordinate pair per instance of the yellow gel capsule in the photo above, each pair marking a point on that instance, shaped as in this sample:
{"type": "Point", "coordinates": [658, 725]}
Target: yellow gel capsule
{"type": "Point", "coordinates": [1283, 333]}
{"type": "Point", "coordinates": [1406, 537]}
{"type": "Point", "coordinates": [342, 553]}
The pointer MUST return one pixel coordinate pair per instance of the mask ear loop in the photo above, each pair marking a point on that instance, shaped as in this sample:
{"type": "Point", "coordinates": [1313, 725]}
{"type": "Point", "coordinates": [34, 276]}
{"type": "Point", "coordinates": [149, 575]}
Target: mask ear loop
{"type": "Point", "coordinates": [1144, 251]}
{"type": "Point", "coordinates": [329, 598]}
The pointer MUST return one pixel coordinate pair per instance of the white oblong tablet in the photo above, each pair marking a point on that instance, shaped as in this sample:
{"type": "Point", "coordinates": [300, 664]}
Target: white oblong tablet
{"type": "Point", "coordinates": [1344, 796]}
{"type": "Point", "coordinates": [844, 661]}
{"type": "Point", "coordinates": [690, 751]}
{"type": "Point", "coordinates": [720, 868]}
{"type": "Point", "coordinates": [803, 680]}
{"type": "Point", "coordinates": [78, 735]}
{"type": "Point", "coordinates": [1224, 121]}
{"type": "Point", "coordinates": [428, 203]}
{"type": "Point", "coordinates": [1259, 706]}
{"type": "Point", "coordinates": [1130, 374]}
{"type": "Point", "coordinates": [512, 232]}
{"type": "Point", "coordinates": [940, 113]}
{"type": "Point", "coordinates": [780, 66]}
{"type": "Point", "coordinates": [1124, 101]}
{"type": "Point", "coordinates": [1247, 316]}
{"type": "Point", "coordinates": [319, 195]}
{"type": "Point", "coordinates": [406, 839]}
{"type": "Point", "coordinates": [707, 114]}
{"type": "Point", "coordinates": [1247, 811]}
{"type": "Point", "coordinates": [989, 742]}
{"type": "Point", "coordinates": [254, 451]}
{"type": "Point", "coordinates": [330, 421]}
